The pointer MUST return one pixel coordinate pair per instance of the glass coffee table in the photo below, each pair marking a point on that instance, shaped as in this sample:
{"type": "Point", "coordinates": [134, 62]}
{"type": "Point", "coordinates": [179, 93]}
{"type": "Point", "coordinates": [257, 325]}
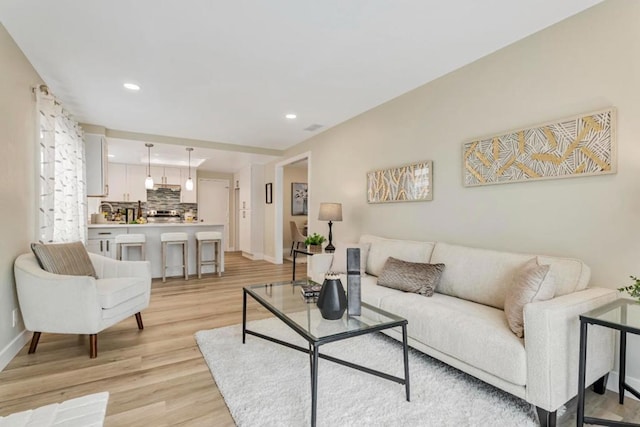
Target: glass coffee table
{"type": "Point", "coordinates": [622, 315]}
{"type": "Point", "coordinates": [286, 302]}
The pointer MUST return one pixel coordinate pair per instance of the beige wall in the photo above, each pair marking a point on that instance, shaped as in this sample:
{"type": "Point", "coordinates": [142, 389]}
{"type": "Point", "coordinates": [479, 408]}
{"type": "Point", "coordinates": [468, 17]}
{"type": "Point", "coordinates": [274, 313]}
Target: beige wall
{"type": "Point", "coordinates": [290, 174]}
{"type": "Point", "coordinates": [17, 174]}
{"type": "Point", "coordinates": [585, 63]}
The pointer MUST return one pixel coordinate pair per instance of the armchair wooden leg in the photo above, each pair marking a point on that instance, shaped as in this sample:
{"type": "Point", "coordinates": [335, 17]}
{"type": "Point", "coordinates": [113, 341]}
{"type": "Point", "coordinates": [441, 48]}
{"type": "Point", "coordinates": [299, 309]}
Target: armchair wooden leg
{"type": "Point", "coordinates": [139, 320]}
{"type": "Point", "coordinates": [34, 342]}
{"type": "Point", "coordinates": [93, 346]}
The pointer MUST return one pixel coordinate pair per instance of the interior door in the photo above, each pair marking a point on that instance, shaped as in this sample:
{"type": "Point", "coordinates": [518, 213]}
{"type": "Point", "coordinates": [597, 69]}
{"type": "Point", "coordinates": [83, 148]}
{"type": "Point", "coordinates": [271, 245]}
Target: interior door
{"type": "Point", "coordinates": [213, 204]}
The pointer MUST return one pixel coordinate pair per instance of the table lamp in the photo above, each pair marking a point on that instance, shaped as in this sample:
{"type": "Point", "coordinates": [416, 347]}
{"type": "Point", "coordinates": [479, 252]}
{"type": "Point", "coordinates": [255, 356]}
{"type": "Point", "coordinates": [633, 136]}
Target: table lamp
{"type": "Point", "coordinates": [330, 212]}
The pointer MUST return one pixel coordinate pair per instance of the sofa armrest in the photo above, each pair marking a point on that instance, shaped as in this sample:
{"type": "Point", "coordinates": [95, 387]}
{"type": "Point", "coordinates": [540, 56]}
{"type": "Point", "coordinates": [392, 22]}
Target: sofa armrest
{"type": "Point", "coordinates": [43, 296]}
{"type": "Point", "coordinates": [552, 343]}
{"type": "Point", "coordinates": [319, 265]}
{"type": "Point", "coordinates": [107, 268]}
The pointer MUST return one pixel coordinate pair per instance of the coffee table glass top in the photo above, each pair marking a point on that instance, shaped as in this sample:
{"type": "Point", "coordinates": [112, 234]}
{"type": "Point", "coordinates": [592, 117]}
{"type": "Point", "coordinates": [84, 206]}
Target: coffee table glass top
{"type": "Point", "coordinates": [622, 313]}
{"type": "Point", "coordinates": [285, 300]}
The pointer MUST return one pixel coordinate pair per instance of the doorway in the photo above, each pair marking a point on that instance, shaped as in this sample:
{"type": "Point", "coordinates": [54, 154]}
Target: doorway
{"type": "Point", "coordinates": [279, 192]}
{"type": "Point", "coordinates": [213, 204]}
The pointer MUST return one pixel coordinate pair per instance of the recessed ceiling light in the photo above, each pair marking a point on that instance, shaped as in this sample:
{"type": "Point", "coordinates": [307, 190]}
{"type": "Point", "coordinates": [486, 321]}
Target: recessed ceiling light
{"type": "Point", "coordinates": [131, 86]}
{"type": "Point", "coordinates": [291, 116]}
{"type": "Point", "coordinates": [111, 155]}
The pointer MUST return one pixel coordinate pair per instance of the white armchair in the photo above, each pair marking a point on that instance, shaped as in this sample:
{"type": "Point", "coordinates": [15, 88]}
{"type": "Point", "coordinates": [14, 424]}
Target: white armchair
{"type": "Point", "coordinates": [57, 303]}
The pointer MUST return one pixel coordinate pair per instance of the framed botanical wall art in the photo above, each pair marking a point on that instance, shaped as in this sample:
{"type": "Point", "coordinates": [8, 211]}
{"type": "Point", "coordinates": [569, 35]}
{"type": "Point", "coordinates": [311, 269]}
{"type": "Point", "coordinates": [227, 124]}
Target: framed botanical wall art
{"type": "Point", "coordinates": [582, 145]}
{"type": "Point", "coordinates": [409, 183]}
{"type": "Point", "coordinates": [299, 198]}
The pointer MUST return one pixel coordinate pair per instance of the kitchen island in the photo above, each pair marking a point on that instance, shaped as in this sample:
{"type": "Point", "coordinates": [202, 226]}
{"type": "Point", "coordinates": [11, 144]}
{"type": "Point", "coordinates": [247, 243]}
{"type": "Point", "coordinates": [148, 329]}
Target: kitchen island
{"type": "Point", "coordinates": [102, 241]}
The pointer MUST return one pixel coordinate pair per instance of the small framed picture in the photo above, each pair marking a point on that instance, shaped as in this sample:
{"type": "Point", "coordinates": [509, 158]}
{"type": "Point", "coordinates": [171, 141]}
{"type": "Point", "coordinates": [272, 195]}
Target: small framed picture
{"type": "Point", "coordinates": [268, 191]}
{"type": "Point", "coordinates": [298, 198]}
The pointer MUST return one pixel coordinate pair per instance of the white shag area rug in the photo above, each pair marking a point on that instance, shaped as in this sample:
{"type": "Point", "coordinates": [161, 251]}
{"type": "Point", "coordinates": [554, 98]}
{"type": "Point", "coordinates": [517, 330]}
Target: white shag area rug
{"type": "Point", "coordinates": [266, 384]}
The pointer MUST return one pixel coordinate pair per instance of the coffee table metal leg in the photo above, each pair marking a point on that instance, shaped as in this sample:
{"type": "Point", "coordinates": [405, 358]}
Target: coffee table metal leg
{"type": "Point", "coordinates": [406, 362]}
{"type": "Point", "coordinates": [295, 255]}
{"type": "Point", "coordinates": [244, 315]}
{"type": "Point", "coordinates": [622, 366]}
{"type": "Point", "coordinates": [581, 373]}
{"type": "Point", "coordinates": [314, 385]}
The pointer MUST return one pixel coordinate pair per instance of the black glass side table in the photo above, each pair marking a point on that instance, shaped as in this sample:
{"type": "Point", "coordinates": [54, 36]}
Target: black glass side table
{"type": "Point", "coordinates": [622, 315]}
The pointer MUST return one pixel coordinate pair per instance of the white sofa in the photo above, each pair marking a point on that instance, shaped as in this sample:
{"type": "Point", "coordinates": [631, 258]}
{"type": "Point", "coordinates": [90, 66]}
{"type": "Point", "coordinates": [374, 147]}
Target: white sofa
{"type": "Point", "coordinates": [464, 325]}
{"type": "Point", "coordinates": [58, 303]}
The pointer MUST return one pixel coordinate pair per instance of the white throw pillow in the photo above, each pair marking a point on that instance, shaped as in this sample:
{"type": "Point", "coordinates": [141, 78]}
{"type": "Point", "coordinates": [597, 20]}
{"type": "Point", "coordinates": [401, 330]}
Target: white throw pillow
{"type": "Point", "coordinates": [339, 263]}
{"type": "Point", "coordinates": [532, 282]}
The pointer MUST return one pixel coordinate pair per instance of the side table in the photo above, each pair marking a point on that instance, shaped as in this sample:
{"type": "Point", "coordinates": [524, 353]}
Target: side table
{"type": "Point", "coordinates": [304, 252]}
{"type": "Point", "coordinates": [622, 315]}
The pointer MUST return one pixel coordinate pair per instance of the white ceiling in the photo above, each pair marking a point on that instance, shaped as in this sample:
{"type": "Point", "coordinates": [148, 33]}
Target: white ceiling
{"type": "Point", "coordinates": [228, 71]}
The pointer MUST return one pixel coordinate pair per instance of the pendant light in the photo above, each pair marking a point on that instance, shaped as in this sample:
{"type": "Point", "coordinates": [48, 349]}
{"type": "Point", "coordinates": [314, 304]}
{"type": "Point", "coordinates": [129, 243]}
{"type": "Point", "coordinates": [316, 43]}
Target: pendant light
{"type": "Point", "coordinates": [148, 183]}
{"type": "Point", "coordinates": [189, 184]}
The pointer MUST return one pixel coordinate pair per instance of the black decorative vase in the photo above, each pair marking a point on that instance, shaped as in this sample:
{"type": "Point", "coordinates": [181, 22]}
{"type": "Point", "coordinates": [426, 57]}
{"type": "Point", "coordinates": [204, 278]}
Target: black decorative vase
{"type": "Point", "coordinates": [332, 300]}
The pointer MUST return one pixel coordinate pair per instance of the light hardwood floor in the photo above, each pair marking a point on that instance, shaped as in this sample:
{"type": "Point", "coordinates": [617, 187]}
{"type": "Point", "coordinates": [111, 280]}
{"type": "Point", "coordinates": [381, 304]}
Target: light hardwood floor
{"type": "Point", "coordinates": [157, 377]}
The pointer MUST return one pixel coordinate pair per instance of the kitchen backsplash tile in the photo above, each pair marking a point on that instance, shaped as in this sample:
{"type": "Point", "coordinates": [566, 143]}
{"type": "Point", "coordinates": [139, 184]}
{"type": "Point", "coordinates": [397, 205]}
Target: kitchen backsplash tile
{"type": "Point", "coordinates": [160, 199]}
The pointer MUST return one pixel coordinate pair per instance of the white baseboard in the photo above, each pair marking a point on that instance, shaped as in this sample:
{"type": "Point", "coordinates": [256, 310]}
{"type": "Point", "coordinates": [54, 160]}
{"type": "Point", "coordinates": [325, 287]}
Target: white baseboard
{"type": "Point", "coordinates": [253, 257]}
{"type": "Point", "coordinates": [13, 348]}
{"type": "Point", "coordinates": [612, 384]}
{"type": "Point", "coordinates": [271, 259]}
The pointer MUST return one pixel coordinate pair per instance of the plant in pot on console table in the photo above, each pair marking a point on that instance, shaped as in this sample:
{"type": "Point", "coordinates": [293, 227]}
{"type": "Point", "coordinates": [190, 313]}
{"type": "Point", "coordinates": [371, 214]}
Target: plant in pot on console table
{"type": "Point", "coordinates": [314, 242]}
{"type": "Point", "coordinates": [633, 290]}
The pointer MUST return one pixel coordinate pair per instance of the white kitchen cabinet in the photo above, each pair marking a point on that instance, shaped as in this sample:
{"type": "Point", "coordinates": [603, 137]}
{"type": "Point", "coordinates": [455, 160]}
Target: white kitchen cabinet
{"type": "Point", "coordinates": [136, 175]}
{"type": "Point", "coordinates": [250, 181]}
{"type": "Point", "coordinates": [187, 196]}
{"type": "Point", "coordinates": [165, 175]}
{"type": "Point", "coordinates": [157, 173]}
{"type": "Point", "coordinates": [96, 156]}
{"type": "Point", "coordinates": [126, 183]}
{"type": "Point", "coordinates": [172, 176]}
{"type": "Point", "coordinates": [103, 241]}
{"type": "Point", "coordinates": [244, 181]}
{"type": "Point", "coordinates": [245, 231]}
{"type": "Point", "coordinates": [118, 189]}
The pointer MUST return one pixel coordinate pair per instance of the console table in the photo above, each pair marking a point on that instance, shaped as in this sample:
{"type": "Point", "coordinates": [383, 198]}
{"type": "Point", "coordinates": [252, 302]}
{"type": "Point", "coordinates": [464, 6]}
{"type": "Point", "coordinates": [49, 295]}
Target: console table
{"type": "Point", "coordinates": [622, 315]}
{"type": "Point", "coordinates": [304, 252]}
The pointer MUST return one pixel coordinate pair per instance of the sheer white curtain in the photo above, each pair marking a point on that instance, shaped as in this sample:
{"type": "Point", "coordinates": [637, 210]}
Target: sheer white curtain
{"type": "Point", "coordinates": [63, 193]}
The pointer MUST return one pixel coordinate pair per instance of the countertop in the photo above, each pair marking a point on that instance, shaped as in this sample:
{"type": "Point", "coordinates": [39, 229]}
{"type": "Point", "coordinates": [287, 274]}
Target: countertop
{"type": "Point", "coordinates": [149, 225]}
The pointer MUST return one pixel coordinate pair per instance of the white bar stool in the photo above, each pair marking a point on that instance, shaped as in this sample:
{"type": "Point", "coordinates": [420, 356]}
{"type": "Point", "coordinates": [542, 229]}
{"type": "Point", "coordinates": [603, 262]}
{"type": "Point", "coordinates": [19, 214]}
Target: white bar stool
{"type": "Point", "coordinates": [215, 238]}
{"type": "Point", "coordinates": [175, 239]}
{"type": "Point", "coordinates": [130, 241]}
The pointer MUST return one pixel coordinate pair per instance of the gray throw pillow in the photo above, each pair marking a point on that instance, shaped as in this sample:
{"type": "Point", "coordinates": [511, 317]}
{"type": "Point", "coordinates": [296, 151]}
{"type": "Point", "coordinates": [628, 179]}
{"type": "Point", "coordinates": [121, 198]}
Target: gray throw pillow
{"type": "Point", "coordinates": [416, 277]}
{"type": "Point", "coordinates": [64, 258]}
{"type": "Point", "coordinates": [532, 282]}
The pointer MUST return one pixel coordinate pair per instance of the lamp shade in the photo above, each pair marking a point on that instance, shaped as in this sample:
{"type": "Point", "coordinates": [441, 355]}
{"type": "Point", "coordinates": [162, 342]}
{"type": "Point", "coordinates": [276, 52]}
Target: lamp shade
{"type": "Point", "coordinates": [330, 212]}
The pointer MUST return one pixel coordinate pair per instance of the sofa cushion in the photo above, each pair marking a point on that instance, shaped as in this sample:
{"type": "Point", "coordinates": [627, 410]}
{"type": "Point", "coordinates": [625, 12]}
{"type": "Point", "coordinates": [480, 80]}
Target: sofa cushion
{"type": "Point", "coordinates": [531, 283]}
{"type": "Point", "coordinates": [64, 258]}
{"type": "Point", "coordinates": [339, 261]}
{"type": "Point", "coordinates": [115, 291]}
{"type": "Point", "coordinates": [472, 333]}
{"type": "Point", "coordinates": [478, 275]}
{"type": "Point", "coordinates": [570, 274]}
{"type": "Point", "coordinates": [484, 276]}
{"type": "Point", "coordinates": [417, 277]}
{"type": "Point", "coordinates": [406, 250]}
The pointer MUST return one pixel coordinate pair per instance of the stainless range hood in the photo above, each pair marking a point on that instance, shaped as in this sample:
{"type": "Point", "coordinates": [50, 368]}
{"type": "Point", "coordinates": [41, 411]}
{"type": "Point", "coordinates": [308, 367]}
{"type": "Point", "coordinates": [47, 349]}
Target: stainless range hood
{"type": "Point", "coordinates": [171, 187]}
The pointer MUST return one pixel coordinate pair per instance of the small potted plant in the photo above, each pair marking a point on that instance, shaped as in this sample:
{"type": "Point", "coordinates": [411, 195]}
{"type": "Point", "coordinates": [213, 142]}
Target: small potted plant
{"type": "Point", "coordinates": [633, 290]}
{"type": "Point", "coordinates": [314, 242]}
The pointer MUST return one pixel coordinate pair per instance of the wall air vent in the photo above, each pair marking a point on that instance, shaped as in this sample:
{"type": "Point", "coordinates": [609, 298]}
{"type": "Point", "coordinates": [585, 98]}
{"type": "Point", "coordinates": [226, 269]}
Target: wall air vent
{"type": "Point", "coordinates": [313, 127]}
